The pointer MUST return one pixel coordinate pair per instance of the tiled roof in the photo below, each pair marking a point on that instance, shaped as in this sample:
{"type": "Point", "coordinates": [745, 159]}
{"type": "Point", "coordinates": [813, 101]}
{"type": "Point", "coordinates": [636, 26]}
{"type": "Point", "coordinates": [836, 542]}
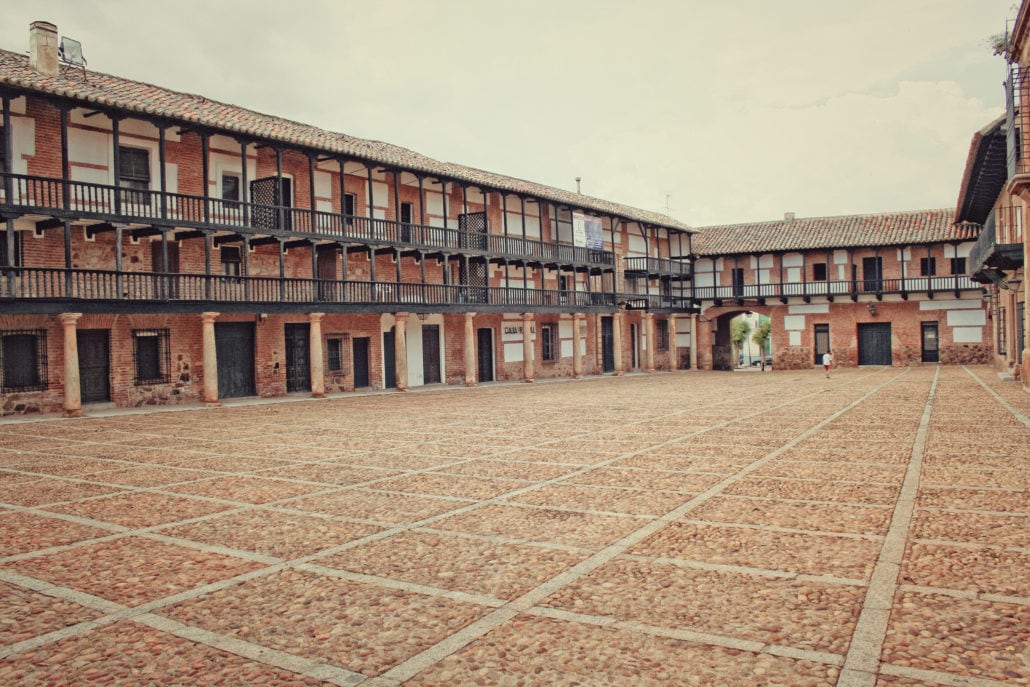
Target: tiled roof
{"type": "Point", "coordinates": [985, 173]}
{"type": "Point", "coordinates": [849, 231]}
{"type": "Point", "coordinates": [106, 91]}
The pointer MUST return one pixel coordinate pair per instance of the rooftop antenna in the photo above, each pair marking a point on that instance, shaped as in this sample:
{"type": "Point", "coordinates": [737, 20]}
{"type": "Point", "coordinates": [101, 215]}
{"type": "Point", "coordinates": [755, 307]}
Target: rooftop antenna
{"type": "Point", "coordinates": [578, 179]}
{"type": "Point", "coordinates": [70, 52]}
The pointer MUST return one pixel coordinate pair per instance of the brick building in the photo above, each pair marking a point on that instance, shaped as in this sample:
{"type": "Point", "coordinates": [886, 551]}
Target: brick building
{"type": "Point", "coordinates": [159, 247]}
{"type": "Point", "coordinates": [995, 192]}
{"type": "Point", "coordinates": [889, 289]}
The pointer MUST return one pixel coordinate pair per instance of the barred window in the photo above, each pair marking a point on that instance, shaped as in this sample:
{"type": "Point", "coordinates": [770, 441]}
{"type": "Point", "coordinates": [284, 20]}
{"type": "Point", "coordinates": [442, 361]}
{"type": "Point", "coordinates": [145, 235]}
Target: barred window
{"type": "Point", "coordinates": [661, 328]}
{"type": "Point", "coordinates": [336, 347]}
{"type": "Point", "coordinates": [23, 360]}
{"type": "Point", "coordinates": [151, 356]}
{"type": "Point", "coordinates": [549, 337]}
{"type": "Point", "coordinates": [927, 267]}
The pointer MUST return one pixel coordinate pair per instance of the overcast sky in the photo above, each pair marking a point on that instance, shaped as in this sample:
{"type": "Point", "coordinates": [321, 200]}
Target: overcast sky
{"type": "Point", "coordinates": [720, 112]}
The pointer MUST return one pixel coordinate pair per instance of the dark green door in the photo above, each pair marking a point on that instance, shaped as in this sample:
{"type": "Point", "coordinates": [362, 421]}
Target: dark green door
{"type": "Point", "coordinates": [94, 365]}
{"type": "Point", "coordinates": [608, 344]}
{"type": "Point", "coordinates": [298, 364]}
{"type": "Point", "coordinates": [874, 343]}
{"type": "Point", "coordinates": [389, 361]}
{"type": "Point", "coordinates": [485, 353]}
{"type": "Point", "coordinates": [431, 353]}
{"type": "Point", "coordinates": [234, 346]}
{"type": "Point", "coordinates": [360, 350]}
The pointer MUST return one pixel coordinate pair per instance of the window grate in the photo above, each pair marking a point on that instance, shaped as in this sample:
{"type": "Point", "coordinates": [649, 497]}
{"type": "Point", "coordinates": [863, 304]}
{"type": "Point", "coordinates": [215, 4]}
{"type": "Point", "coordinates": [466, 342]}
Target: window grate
{"type": "Point", "coordinates": [23, 360]}
{"type": "Point", "coordinates": [151, 356]}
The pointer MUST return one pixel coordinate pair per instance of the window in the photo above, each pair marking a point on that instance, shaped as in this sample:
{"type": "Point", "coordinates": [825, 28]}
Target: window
{"type": "Point", "coordinates": [230, 190]}
{"type": "Point", "coordinates": [406, 210]}
{"type": "Point", "coordinates": [738, 281]}
{"type": "Point", "coordinates": [927, 267]}
{"type": "Point", "coordinates": [232, 264]}
{"type": "Point", "coordinates": [549, 339]}
{"type": "Point", "coordinates": [958, 265]}
{"type": "Point", "coordinates": [661, 332]}
{"type": "Point", "coordinates": [819, 271]}
{"type": "Point", "coordinates": [151, 356]}
{"type": "Point", "coordinates": [348, 207]}
{"type": "Point", "coordinates": [134, 173]}
{"type": "Point", "coordinates": [336, 346]}
{"type": "Point", "coordinates": [23, 360]}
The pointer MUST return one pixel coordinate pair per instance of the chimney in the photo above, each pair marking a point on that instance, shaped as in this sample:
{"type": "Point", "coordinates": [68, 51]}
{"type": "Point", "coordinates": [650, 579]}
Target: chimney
{"type": "Point", "coordinates": [43, 48]}
{"type": "Point", "coordinates": [788, 217]}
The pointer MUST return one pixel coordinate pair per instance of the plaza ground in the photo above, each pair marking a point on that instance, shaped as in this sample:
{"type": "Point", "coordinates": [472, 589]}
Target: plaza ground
{"type": "Point", "coordinates": [675, 529]}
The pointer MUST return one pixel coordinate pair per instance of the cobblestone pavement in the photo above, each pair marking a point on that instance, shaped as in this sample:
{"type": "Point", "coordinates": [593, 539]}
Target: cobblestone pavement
{"type": "Point", "coordinates": [673, 529]}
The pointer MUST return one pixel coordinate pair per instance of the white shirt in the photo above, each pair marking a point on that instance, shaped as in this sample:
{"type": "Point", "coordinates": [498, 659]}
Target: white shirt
{"type": "Point", "coordinates": [827, 359]}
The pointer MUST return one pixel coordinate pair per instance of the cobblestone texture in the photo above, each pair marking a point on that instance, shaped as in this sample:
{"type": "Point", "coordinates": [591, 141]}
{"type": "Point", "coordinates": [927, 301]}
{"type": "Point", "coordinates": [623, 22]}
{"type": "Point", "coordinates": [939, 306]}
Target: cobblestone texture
{"type": "Point", "coordinates": [673, 529]}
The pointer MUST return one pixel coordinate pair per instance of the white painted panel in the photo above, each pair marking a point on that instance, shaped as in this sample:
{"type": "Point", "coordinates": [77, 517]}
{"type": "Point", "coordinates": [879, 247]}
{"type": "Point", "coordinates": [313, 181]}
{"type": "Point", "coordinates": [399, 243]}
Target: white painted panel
{"type": "Point", "coordinates": [435, 221]}
{"type": "Point", "coordinates": [705, 279]}
{"type": "Point", "coordinates": [565, 329]}
{"type": "Point", "coordinates": [683, 340]}
{"type": "Point", "coordinates": [682, 325]}
{"type": "Point", "coordinates": [720, 264]}
{"type": "Point", "coordinates": [378, 213]}
{"type": "Point", "coordinates": [636, 246]}
{"type": "Point", "coordinates": [949, 251]}
{"type": "Point", "coordinates": [88, 147]}
{"type": "Point", "coordinates": [324, 205]}
{"type": "Point", "coordinates": [793, 274]}
{"type": "Point", "coordinates": [566, 348]}
{"type": "Point", "coordinates": [323, 185]}
{"type": "Point", "coordinates": [434, 203]}
{"type": "Point", "coordinates": [952, 305]}
{"type": "Point", "coordinates": [764, 277]}
{"type": "Point", "coordinates": [565, 232]}
{"type": "Point", "coordinates": [967, 334]}
{"type": "Point", "coordinates": [766, 261]}
{"type": "Point", "coordinates": [964, 248]}
{"type": "Point", "coordinates": [794, 322]}
{"type": "Point", "coordinates": [137, 127]}
{"type": "Point", "coordinates": [380, 194]}
{"type": "Point", "coordinates": [23, 133]}
{"type": "Point", "coordinates": [752, 262]}
{"type": "Point", "coordinates": [793, 260]}
{"type": "Point", "coordinates": [704, 265]}
{"type": "Point", "coordinates": [842, 273]}
{"type": "Point", "coordinates": [171, 177]}
{"type": "Point", "coordinates": [794, 338]}
{"type": "Point", "coordinates": [89, 175]}
{"type": "Point", "coordinates": [810, 308]}
{"type": "Point", "coordinates": [512, 353]}
{"type": "Point", "coordinates": [840, 257]}
{"type": "Point", "coordinates": [532, 227]}
{"type": "Point", "coordinates": [966, 318]}
{"type": "Point", "coordinates": [18, 105]}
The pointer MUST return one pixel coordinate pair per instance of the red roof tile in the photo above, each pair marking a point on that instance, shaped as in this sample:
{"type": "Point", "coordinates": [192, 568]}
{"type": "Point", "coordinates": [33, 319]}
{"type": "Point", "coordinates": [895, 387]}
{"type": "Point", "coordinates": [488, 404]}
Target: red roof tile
{"type": "Point", "coordinates": [106, 91]}
{"type": "Point", "coordinates": [849, 231]}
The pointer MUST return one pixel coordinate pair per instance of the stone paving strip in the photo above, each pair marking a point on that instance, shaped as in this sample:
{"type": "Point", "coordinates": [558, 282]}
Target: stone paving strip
{"type": "Point", "coordinates": [672, 529]}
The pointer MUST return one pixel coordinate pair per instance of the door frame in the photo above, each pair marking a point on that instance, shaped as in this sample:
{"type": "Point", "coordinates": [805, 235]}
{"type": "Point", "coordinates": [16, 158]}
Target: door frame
{"type": "Point", "coordinates": [926, 355]}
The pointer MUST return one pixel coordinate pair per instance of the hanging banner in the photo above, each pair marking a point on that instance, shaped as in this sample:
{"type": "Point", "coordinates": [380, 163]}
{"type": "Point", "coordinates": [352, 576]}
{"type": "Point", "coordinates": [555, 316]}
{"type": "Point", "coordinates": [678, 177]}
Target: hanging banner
{"type": "Point", "coordinates": [587, 231]}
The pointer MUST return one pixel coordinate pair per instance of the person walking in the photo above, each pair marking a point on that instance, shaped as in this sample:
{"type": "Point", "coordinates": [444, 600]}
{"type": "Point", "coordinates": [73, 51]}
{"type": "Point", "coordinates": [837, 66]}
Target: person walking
{"type": "Point", "coordinates": [827, 363]}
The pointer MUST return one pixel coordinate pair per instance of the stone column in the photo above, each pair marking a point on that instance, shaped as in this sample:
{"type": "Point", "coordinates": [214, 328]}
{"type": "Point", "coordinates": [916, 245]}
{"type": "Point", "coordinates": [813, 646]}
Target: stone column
{"type": "Point", "coordinates": [210, 358]}
{"type": "Point", "coordinates": [400, 350]}
{"type": "Point", "coordinates": [674, 359]}
{"type": "Point", "coordinates": [527, 347]}
{"type": "Point", "coordinates": [577, 343]}
{"type": "Point", "coordinates": [471, 373]}
{"type": "Point", "coordinates": [649, 341]}
{"type": "Point", "coordinates": [617, 341]}
{"type": "Point", "coordinates": [694, 320]}
{"type": "Point", "coordinates": [72, 383]}
{"type": "Point", "coordinates": [316, 355]}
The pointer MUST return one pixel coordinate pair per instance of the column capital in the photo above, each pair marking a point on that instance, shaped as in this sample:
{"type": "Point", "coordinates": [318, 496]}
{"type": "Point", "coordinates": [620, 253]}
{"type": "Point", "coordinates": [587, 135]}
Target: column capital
{"type": "Point", "coordinates": [209, 317]}
{"type": "Point", "coordinates": [527, 316]}
{"type": "Point", "coordinates": [316, 316]}
{"type": "Point", "coordinates": [579, 316]}
{"type": "Point", "coordinates": [469, 315]}
{"type": "Point", "coordinates": [69, 318]}
{"type": "Point", "coordinates": [401, 316]}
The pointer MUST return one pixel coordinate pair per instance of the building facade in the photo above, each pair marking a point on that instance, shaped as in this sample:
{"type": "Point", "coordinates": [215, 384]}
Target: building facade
{"type": "Point", "coordinates": [995, 192]}
{"type": "Point", "coordinates": [888, 289]}
{"type": "Point", "coordinates": [160, 248]}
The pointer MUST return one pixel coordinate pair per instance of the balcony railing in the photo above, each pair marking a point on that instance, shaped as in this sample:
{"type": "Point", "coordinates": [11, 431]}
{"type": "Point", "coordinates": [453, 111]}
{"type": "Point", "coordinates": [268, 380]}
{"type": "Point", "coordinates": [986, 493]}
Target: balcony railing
{"type": "Point", "coordinates": [817, 289]}
{"type": "Point", "coordinates": [657, 267]}
{"type": "Point", "coordinates": [32, 283]}
{"type": "Point", "coordinates": [84, 200]}
{"type": "Point", "coordinates": [636, 301]}
{"type": "Point", "coordinates": [987, 254]}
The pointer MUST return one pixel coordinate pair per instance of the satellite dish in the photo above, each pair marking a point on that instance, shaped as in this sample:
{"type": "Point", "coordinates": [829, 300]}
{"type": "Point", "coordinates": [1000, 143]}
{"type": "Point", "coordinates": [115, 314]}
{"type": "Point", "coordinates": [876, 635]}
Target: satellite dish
{"type": "Point", "coordinates": [71, 52]}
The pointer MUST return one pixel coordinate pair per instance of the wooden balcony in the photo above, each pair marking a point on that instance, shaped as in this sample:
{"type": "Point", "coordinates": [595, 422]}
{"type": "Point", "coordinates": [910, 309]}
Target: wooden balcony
{"type": "Point", "coordinates": [45, 197]}
{"type": "Point", "coordinates": [38, 290]}
{"type": "Point", "coordinates": [637, 267]}
{"type": "Point", "coordinates": [830, 290]}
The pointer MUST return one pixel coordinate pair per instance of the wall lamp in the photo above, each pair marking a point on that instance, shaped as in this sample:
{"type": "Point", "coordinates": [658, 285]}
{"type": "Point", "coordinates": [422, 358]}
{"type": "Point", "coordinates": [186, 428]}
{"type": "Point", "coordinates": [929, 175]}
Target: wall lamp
{"type": "Point", "coordinates": [872, 308]}
{"type": "Point", "coordinates": [1012, 284]}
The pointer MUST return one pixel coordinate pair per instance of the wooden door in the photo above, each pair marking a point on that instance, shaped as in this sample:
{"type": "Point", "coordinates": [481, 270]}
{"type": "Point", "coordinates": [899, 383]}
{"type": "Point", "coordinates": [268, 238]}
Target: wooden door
{"type": "Point", "coordinates": [431, 353]}
{"type": "Point", "coordinates": [822, 342]}
{"type": "Point", "coordinates": [874, 343]}
{"type": "Point", "coordinates": [94, 365]}
{"type": "Point", "coordinates": [359, 348]}
{"type": "Point", "coordinates": [298, 363]}
{"type": "Point", "coordinates": [608, 344]}
{"type": "Point", "coordinates": [485, 353]}
{"type": "Point", "coordinates": [234, 347]}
